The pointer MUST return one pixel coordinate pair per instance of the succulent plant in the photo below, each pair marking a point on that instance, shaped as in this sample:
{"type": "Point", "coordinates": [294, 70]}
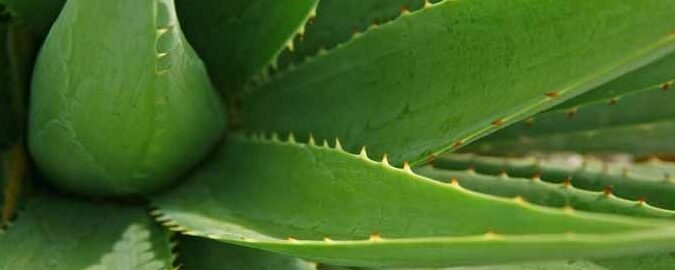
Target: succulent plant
{"type": "Point", "coordinates": [337, 134]}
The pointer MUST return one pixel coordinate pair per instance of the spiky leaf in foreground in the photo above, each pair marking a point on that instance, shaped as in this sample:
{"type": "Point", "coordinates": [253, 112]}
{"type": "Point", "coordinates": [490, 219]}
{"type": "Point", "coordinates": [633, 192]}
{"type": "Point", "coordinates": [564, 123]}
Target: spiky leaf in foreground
{"type": "Point", "coordinates": [54, 233]}
{"type": "Point", "coordinates": [367, 213]}
{"type": "Point", "coordinates": [121, 104]}
{"type": "Point", "coordinates": [471, 66]}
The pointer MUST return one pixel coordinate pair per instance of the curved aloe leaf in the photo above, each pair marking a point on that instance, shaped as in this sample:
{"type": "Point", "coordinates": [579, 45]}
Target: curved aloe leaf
{"type": "Point", "coordinates": [644, 107]}
{"type": "Point", "coordinates": [37, 15]}
{"type": "Point", "coordinates": [55, 233]}
{"type": "Point", "coordinates": [594, 127]}
{"type": "Point", "coordinates": [338, 20]}
{"type": "Point", "coordinates": [238, 40]}
{"type": "Point", "coordinates": [114, 119]}
{"type": "Point", "coordinates": [205, 254]}
{"type": "Point", "coordinates": [367, 213]}
{"type": "Point", "coordinates": [634, 182]}
{"type": "Point", "coordinates": [458, 70]}
{"type": "Point", "coordinates": [547, 194]}
{"type": "Point", "coordinates": [660, 73]}
{"type": "Point", "coordinates": [655, 138]}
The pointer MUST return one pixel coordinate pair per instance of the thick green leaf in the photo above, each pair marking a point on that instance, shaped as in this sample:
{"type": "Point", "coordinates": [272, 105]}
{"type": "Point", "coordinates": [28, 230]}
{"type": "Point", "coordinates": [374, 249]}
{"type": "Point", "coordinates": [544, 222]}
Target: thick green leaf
{"type": "Point", "coordinates": [641, 140]}
{"type": "Point", "coordinates": [38, 15]}
{"type": "Point", "coordinates": [378, 215]}
{"type": "Point", "coordinates": [56, 233]}
{"type": "Point", "coordinates": [652, 184]}
{"type": "Point", "coordinates": [593, 127]}
{"type": "Point", "coordinates": [660, 73]}
{"type": "Point", "coordinates": [644, 107]}
{"type": "Point", "coordinates": [338, 20]}
{"type": "Point", "coordinates": [644, 139]}
{"type": "Point", "coordinates": [545, 193]}
{"type": "Point", "coordinates": [120, 102]}
{"type": "Point", "coordinates": [458, 70]}
{"type": "Point", "coordinates": [240, 38]}
{"type": "Point", "coordinates": [205, 254]}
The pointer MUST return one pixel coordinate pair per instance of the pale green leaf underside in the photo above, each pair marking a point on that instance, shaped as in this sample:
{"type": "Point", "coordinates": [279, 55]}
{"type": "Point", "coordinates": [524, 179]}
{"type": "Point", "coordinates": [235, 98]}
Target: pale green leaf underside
{"type": "Point", "coordinates": [652, 183]}
{"type": "Point", "coordinates": [205, 254]}
{"type": "Point", "coordinates": [450, 70]}
{"type": "Point", "coordinates": [247, 195]}
{"type": "Point", "coordinates": [660, 73]}
{"type": "Point", "coordinates": [56, 233]}
{"type": "Point", "coordinates": [240, 38]}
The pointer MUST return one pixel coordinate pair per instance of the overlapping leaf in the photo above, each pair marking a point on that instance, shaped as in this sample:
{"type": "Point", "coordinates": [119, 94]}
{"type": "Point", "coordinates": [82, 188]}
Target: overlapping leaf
{"type": "Point", "coordinates": [649, 183]}
{"type": "Point", "coordinates": [660, 73]}
{"type": "Point", "coordinates": [646, 139]}
{"type": "Point", "coordinates": [326, 205]}
{"type": "Point", "coordinates": [239, 39]}
{"type": "Point", "coordinates": [450, 73]}
{"type": "Point", "coordinates": [57, 233]}
{"type": "Point", "coordinates": [338, 20]}
{"type": "Point", "coordinates": [602, 126]}
{"type": "Point", "coordinates": [548, 194]}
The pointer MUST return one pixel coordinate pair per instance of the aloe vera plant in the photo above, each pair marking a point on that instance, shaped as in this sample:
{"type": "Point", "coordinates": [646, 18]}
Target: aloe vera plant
{"type": "Point", "coordinates": [337, 134]}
